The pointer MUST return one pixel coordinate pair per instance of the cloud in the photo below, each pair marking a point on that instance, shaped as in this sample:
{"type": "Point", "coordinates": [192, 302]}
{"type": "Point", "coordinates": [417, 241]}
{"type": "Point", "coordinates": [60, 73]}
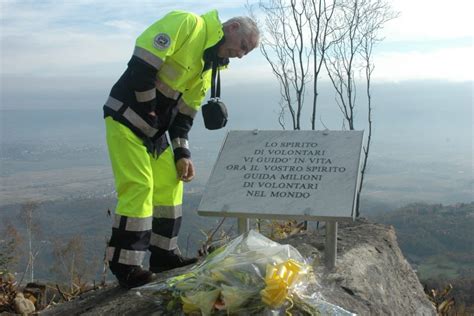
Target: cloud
{"type": "Point", "coordinates": [76, 37]}
{"type": "Point", "coordinates": [453, 64]}
{"type": "Point", "coordinates": [89, 38]}
{"type": "Point", "coordinates": [64, 53]}
{"type": "Point", "coordinates": [424, 20]}
{"type": "Point", "coordinates": [124, 25]}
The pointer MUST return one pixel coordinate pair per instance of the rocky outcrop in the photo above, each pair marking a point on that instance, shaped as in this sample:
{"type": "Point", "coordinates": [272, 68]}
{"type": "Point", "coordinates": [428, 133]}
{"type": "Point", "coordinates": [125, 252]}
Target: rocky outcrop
{"type": "Point", "coordinates": [372, 277]}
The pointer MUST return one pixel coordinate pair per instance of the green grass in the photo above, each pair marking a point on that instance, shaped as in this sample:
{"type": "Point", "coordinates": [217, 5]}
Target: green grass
{"type": "Point", "coordinates": [439, 267]}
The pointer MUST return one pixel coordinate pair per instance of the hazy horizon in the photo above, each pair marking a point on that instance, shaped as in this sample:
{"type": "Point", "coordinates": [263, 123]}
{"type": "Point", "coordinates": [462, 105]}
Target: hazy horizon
{"type": "Point", "coordinates": [421, 150]}
{"type": "Point", "coordinates": [422, 97]}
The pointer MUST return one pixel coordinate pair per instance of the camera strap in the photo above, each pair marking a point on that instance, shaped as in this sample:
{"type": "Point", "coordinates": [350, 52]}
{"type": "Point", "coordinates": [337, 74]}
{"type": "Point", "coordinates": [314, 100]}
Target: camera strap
{"type": "Point", "coordinates": [214, 112]}
{"type": "Point", "coordinates": [215, 93]}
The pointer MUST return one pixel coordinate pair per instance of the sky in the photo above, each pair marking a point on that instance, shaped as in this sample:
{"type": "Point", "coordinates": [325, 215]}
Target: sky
{"type": "Point", "coordinates": [84, 38]}
{"type": "Point", "coordinates": [67, 55]}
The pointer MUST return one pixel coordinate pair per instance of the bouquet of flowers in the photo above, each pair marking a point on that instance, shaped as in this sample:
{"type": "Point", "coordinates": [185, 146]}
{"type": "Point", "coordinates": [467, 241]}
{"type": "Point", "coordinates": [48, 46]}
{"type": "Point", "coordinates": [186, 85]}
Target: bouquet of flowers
{"type": "Point", "coordinates": [250, 275]}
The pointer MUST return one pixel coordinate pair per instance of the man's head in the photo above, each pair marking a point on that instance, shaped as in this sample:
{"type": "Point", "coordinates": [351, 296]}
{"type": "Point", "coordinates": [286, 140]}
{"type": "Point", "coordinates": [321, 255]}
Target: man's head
{"type": "Point", "coordinates": [241, 35]}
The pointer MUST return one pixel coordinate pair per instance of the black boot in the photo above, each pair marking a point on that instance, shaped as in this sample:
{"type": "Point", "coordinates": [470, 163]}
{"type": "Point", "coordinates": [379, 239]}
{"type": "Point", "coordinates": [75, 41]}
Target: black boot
{"type": "Point", "coordinates": [172, 261]}
{"type": "Point", "coordinates": [134, 277]}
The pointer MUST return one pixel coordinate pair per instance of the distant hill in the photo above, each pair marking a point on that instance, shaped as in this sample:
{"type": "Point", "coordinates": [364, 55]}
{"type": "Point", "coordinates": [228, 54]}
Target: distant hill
{"type": "Point", "coordinates": [87, 217]}
{"type": "Point", "coordinates": [437, 239]}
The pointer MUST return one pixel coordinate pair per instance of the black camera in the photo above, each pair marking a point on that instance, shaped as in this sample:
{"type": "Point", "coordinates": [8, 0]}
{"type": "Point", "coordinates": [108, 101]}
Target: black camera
{"type": "Point", "coordinates": [214, 113]}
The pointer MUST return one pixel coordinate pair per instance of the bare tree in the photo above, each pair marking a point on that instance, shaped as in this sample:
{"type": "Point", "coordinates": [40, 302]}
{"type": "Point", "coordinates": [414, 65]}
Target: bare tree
{"type": "Point", "coordinates": [105, 263]}
{"type": "Point", "coordinates": [9, 246]}
{"type": "Point", "coordinates": [320, 15]}
{"type": "Point", "coordinates": [300, 36]}
{"type": "Point", "coordinates": [295, 41]}
{"type": "Point", "coordinates": [355, 35]}
{"type": "Point", "coordinates": [284, 47]}
{"type": "Point", "coordinates": [70, 263]}
{"type": "Point", "coordinates": [28, 216]}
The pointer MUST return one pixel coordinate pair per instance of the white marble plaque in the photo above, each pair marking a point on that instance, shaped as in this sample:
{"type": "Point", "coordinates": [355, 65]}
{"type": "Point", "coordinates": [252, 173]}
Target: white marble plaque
{"type": "Point", "coordinates": [285, 174]}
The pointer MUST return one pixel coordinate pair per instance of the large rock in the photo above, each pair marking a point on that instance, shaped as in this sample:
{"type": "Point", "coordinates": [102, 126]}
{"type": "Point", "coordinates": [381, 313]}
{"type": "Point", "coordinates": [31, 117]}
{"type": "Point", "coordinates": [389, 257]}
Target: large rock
{"type": "Point", "coordinates": [371, 278]}
{"type": "Point", "coordinates": [23, 306]}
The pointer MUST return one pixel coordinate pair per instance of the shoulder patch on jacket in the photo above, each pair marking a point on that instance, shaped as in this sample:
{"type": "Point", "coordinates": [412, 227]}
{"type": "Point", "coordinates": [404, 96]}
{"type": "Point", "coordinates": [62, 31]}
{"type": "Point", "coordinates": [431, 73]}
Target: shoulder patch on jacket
{"type": "Point", "coordinates": [162, 41]}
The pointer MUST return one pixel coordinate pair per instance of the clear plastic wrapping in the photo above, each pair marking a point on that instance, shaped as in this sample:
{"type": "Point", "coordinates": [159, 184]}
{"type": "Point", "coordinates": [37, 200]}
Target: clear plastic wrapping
{"type": "Point", "coordinates": [251, 275]}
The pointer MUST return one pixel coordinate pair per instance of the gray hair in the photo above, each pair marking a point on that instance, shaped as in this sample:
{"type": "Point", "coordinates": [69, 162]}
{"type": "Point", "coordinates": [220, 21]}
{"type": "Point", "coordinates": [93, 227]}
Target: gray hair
{"type": "Point", "coordinates": [248, 26]}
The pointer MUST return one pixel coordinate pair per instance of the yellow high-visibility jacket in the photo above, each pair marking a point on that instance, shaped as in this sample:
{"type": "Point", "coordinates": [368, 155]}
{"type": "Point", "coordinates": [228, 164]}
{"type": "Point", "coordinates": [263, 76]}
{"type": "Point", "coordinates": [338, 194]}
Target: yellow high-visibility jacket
{"type": "Point", "coordinates": [168, 75]}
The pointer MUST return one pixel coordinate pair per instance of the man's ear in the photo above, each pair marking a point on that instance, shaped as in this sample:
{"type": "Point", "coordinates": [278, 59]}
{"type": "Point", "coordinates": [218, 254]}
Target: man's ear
{"type": "Point", "coordinates": [234, 26]}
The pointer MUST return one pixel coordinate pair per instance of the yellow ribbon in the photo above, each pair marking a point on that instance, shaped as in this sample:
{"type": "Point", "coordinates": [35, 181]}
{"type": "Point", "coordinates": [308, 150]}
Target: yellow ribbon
{"type": "Point", "coordinates": [279, 279]}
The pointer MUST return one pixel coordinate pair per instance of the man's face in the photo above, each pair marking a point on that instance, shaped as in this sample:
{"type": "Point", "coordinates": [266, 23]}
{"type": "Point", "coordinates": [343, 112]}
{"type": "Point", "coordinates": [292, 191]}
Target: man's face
{"type": "Point", "coordinates": [235, 44]}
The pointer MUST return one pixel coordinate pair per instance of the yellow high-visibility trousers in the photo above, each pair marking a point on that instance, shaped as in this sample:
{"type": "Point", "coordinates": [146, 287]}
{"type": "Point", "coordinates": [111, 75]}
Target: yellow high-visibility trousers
{"type": "Point", "coordinates": [141, 181]}
{"type": "Point", "coordinates": [148, 212]}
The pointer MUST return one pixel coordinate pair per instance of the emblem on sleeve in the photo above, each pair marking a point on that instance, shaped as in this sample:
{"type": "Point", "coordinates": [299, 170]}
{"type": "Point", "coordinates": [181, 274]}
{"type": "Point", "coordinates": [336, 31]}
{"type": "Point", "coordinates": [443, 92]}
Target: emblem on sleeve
{"type": "Point", "coordinates": [162, 41]}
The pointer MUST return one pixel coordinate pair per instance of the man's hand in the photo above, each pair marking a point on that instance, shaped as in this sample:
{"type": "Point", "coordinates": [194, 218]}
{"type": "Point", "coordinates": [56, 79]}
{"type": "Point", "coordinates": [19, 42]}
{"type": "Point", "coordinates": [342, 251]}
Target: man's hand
{"type": "Point", "coordinates": [185, 169]}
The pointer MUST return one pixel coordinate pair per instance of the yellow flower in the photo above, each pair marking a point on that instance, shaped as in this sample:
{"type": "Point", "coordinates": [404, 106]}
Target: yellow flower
{"type": "Point", "coordinates": [279, 279]}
